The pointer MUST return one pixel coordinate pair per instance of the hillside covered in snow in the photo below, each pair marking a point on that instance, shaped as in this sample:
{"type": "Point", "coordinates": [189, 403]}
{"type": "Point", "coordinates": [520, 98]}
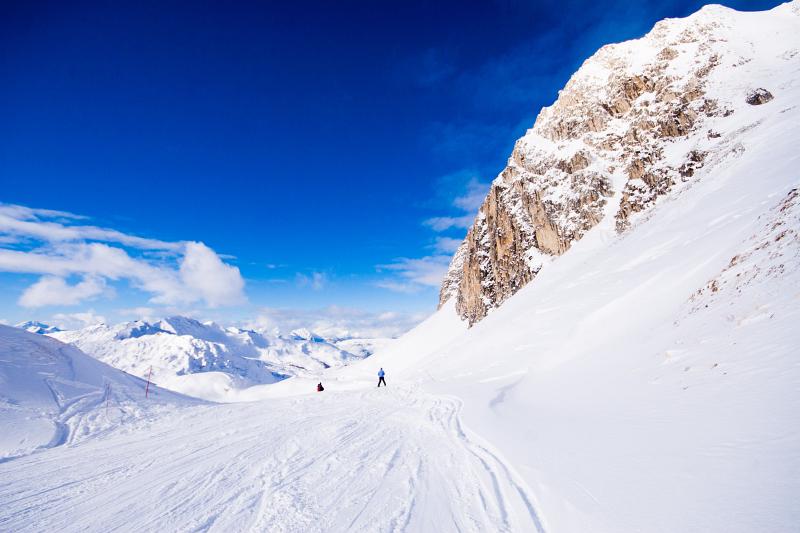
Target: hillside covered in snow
{"type": "Point", "coordinates": [52, 394]}
{"type": "Point", "coordinates": [640, 122]}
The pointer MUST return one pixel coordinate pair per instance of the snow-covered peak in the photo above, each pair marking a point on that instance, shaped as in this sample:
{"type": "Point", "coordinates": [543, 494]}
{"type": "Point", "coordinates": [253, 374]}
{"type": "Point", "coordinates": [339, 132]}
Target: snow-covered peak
{"type": "Point", "coordinates": [34, 326]}
{"type": "Point", "coordinates": [181, 325]}
{"type": "Point", "coordinates": [136, 329]}
{"type": "Point", "coordinates": [639, 122]}
{"type": "Point", "coordinates": [306, 335]}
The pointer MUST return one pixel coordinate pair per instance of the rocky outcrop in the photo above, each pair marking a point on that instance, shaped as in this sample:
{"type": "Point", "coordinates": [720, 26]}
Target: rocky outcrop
{"type": "Point", "coordinates": [759, 96]}
{"type": "Point", "coordinates": [636, 122]}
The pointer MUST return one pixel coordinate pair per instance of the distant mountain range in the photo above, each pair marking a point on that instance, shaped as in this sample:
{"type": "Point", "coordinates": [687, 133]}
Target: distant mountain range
{"type": "Point", "coordinates": [37, 327]}
{"type": "Point", "coordinates": [207, 360]}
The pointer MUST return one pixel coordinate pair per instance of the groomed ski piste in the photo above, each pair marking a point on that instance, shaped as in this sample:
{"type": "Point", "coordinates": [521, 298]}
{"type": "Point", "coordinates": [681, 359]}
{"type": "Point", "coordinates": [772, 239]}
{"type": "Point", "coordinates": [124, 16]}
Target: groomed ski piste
{"type": "Point", "coordinates": [358, 460]}
{"type": "Point", "coordinates": [647, 382]}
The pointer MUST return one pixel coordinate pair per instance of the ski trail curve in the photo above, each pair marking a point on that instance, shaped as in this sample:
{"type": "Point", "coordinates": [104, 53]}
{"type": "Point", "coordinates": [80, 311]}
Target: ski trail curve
{"type": "Point", "coordinates": [497, 467]}
{"type": "Point", "coordinates": [376, 460]}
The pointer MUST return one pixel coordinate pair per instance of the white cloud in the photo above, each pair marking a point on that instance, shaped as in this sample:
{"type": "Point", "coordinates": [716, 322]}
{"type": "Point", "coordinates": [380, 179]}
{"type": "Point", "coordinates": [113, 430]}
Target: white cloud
{"type": "Point", "coordinates": [76, 320]}
{"type": "Point", "coordinates": [415, 274]}
{"type": "Point", "coordinates": [148, 314]}
{"type": "Point", "coordinates": [316, 280]}
{"type": "Point", "coordinates": [203, 272]}
{"type": "Point", "coordinates": [53, 290]}
{"type": "Point", "coordinates": [399, 286]}
{"type": "Point", "coordinates": [336, 322]}
{"type": "Point", "coordinates": [185, 273]}
{"type": "Point", "coordinates": [473, 197]}
{"type": "Point", "coordinates": [22, 212]}
{"type": "Point", "coordinates": [467, 192]}
{"type": "Point", "coordinates": [446, 223]}
{"type": "Point", "coordinates": [19, 221]}
{"type": "Point", "coordinates": [99, 260]}
{"type": "Point", "coordinates": [446, 245]}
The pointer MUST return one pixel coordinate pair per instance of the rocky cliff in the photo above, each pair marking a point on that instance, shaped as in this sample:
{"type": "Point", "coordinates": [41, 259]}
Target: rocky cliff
{"type": "Point", "coordinates": [639, 121]}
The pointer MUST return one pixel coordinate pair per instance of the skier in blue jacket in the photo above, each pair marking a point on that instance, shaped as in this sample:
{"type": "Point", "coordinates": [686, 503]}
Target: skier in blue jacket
{"type": "Point", "coordinates": [381, 373]}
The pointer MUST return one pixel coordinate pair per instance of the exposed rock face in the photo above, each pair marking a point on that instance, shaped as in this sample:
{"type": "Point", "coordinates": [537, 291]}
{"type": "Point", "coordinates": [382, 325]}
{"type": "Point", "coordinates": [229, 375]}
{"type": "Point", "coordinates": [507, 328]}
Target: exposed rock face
{"type": "Point", "coordinates": [634, 123]}
{"type": "Point", "coordinates": [759, 96]}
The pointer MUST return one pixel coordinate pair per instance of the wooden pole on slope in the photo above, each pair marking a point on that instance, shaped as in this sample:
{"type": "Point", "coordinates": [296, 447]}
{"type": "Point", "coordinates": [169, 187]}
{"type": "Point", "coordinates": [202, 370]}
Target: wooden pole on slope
{"type": "Point", "coordinates": [147, 388]}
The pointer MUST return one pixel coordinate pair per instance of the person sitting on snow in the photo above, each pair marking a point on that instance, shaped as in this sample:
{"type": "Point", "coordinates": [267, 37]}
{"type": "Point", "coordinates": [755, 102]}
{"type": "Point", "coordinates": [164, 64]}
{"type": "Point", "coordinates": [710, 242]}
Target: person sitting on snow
{"type": "Point", "coordinates": [320, 388]}
{"type": "Point", "coordinates": [381, 373]}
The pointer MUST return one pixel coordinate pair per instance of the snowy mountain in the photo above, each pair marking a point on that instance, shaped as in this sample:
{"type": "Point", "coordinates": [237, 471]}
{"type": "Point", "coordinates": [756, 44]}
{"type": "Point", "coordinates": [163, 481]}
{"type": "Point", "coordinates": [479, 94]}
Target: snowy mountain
{"type": "Point", "coordinates": [52, 394]}
{"type": "Point", "coordinates": [639, 122]}
{"type": "Point", "coordinates": [647, 379]}
{"type": "Point", "coordinates": [363, 347]}
{"type": "Point", "coordinates": [207, 360]}
{"type": "Point", "coordinates": [37, 327]}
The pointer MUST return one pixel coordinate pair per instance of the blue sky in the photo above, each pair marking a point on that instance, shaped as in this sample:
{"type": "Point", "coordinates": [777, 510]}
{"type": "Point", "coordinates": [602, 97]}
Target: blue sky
{"type": "Point", "coordinates": [333, 153]}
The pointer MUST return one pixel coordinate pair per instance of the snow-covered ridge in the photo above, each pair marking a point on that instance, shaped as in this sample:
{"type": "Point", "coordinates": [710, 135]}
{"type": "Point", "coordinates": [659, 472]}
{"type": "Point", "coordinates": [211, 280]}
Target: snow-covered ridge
{"type": "Point", "coordinates": [53, 394]}
{"type": "Point", "coordinates": [640, 121]}
{"type": "Point", "coordinates": [34, 326]}
{"type": "Point", "coordinates": [208, 360]}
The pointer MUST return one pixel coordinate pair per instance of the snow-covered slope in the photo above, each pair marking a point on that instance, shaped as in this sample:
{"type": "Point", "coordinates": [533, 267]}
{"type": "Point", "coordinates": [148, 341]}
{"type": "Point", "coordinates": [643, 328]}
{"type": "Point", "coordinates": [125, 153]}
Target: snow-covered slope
{"type": "Point", "coordinates": [207, 360]}
{"type": "Point", "coordinates": [52, 394]}
{"type": "Point", "coordinates": [358, 461]}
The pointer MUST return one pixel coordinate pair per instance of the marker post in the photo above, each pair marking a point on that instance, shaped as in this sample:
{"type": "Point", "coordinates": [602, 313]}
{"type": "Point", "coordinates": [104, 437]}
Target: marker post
{"type": "Point", "coordinates": [147, 388]}
{"type": "Point", "coordinates": [108, 396]}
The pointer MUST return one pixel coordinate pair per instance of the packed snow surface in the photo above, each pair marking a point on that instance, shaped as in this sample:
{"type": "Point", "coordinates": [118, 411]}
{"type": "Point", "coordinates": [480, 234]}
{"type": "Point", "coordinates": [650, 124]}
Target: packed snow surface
{"type": "Point", "coordinates": [366, 461]}
{"type": "Point", "coordinates": [647, 381]}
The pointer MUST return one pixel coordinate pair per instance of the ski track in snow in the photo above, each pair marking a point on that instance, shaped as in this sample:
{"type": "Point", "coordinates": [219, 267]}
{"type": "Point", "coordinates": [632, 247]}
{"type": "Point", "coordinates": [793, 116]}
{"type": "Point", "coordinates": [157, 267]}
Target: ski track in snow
{"type": "Point", "coordinates": [388, 459]}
